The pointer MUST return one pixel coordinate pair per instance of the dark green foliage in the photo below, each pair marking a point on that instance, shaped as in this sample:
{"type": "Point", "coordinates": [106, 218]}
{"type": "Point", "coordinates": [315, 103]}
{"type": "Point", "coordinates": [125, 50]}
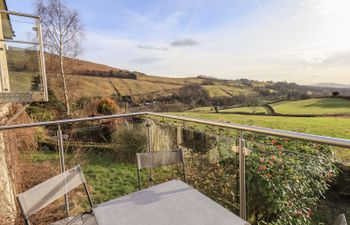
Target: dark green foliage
{"type": "Point", "coordinates": [45, 111]}
{"type": "Point", "coordinates": [122, 74]}
{"type": "Point", "coordinates": [194, 95]}
{"type": "Point", "coordinates": [286, 180]}
{"type": "Point", "coordinates": [36, 83]}
{"type": "Point", "coordinates": [335, 93]}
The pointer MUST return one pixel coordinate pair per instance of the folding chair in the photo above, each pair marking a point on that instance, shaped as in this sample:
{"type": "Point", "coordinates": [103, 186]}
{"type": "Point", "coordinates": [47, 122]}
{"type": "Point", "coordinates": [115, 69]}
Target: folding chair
{"type": "Point", "coordinates": [341, 220]}
{"type": "Point", "coordinates": [38, 197]}
{"type": "Point", "coordinates": [157, 159]}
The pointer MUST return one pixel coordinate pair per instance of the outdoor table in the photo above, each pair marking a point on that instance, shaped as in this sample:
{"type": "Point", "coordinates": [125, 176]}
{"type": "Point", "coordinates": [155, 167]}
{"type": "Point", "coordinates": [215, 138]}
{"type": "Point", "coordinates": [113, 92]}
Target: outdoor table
{"type": "Point", "coordinates": [170, 203]}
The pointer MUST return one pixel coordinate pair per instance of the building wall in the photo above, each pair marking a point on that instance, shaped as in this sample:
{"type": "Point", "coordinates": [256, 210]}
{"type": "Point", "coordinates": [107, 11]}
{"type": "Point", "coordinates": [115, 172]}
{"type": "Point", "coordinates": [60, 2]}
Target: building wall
{"type": "Point", "coordinates": [5, 81]}
{"type": "Point", "coordinates": [7, 187]}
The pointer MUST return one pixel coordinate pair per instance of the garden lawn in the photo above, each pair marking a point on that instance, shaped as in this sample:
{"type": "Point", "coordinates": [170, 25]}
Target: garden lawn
{"type": "Point", "coordinates": [313, 106]}
{"type": "Point", "coordinates": [107, 177]}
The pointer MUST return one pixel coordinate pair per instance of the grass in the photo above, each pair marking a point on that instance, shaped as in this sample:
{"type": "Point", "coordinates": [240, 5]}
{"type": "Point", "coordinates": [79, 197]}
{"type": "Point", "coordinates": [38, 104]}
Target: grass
{"type": "Point", "coordinates": [98, 86]}
{"type": "Point", "coordinates": [336, 126]}
{"type": "Point", "coordinates": [313, 106]}
{"type": "Point", "coordinates": [230, 110]}
{"type": "Point", "coordinates": [219, 90]}
{"type": "Point", "coordinates": [21, 81]}
{"type": "Point", "coordinates": [245, 110]}
{"type": "Point", "coordinates": [107, 177]}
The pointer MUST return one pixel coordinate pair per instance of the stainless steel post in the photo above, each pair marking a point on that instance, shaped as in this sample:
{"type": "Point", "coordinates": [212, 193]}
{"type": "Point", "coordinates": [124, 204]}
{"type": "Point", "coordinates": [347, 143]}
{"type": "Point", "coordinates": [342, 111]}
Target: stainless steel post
{"type": "Point", "coordinates": [242, 184]}
{"type": "Point", "coordinates": [149, 143]}
{"type": "Point", "coordinates": [42, 61]}
{"type": "Point", "coordinates": [62, 164]}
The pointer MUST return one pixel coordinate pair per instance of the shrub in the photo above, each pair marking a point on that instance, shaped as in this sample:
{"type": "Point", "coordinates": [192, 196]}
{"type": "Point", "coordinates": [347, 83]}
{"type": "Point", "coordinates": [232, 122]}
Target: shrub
{"type": "Point", "coordinates": [38, 113]}
{"type": "Point", "coordinates": [45, 111]}
{"type": "Point", "coordinates": [194, 95]}
{"type": "Point", "coordinates": [335, 94]}
{"type": "Point", "coordinates": [128, 140]}
{"type": "Point", "coordinates": [286, 180]}
{"type": "Point", "coordinates": [107, 106]}
{"type": "Point", "coordinates": [84, 101]}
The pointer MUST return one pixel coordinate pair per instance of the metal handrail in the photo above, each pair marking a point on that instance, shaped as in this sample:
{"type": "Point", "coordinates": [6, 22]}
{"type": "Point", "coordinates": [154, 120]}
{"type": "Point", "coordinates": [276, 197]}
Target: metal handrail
{"type": "Point", "coordinates": [281, 133]}
{"type": "Point", "coordinates": [20, 42]}
{"type": "Point", "coordinates": [20, 14]}
{"type": "Point", "coordinates": [262, 130]}
{"type": "Point", "coordinates": [67, 121]}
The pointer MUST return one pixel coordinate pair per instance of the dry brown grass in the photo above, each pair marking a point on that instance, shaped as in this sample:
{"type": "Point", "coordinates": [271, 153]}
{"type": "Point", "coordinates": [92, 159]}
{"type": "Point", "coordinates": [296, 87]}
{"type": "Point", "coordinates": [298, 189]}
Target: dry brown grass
{"type": "Point", "coordinates": [15, 140]}
{"type": "Point", "coordinates": [34, 173]}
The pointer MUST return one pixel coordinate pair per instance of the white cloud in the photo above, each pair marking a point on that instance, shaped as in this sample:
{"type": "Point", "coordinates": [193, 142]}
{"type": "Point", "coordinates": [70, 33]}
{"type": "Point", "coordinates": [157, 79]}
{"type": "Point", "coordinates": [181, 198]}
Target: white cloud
{"type": "Point", "coordinates": [305, 41]}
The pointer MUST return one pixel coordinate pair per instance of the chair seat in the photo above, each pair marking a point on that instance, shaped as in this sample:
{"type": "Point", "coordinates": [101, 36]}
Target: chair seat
{"type": "Point", "coordinates": [84, 219]}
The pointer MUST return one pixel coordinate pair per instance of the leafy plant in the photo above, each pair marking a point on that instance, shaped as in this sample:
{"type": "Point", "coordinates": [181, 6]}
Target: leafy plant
{"type": "Point", "coordinates": [286, 179]}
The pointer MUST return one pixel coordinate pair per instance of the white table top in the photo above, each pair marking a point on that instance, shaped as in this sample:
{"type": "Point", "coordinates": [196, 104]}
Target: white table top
{"type": "Point", "coordinates": [170, 203]}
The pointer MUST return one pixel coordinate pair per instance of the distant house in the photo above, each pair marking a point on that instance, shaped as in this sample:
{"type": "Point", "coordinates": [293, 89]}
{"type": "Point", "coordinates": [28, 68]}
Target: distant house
{"type": "Point", "coordinates": [6, 32]}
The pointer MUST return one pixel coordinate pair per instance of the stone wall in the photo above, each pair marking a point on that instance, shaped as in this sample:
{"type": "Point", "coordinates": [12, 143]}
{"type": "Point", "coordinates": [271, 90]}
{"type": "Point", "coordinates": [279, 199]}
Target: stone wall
{"type": "Point", "coordinates": [10, 170]}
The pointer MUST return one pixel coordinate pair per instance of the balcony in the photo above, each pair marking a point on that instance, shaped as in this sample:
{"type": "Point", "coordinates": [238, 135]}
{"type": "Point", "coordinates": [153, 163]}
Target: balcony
{"type": "Point", "coordinates": [260, 174]}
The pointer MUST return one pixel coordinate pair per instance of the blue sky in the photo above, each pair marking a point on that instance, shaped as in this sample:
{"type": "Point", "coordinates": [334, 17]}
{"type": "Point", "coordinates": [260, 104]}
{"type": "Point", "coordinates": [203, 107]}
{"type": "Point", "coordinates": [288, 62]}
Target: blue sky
{"type": "Point", "coordinates": [305, 41]}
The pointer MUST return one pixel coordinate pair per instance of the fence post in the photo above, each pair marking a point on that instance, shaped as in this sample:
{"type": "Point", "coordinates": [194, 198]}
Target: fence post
{"type": "Point", "coordinates": [242, 184]}
{"type": "Point", "coordinates": [149, 144]}
{"type": "Point", "coordinates": [62, 164]}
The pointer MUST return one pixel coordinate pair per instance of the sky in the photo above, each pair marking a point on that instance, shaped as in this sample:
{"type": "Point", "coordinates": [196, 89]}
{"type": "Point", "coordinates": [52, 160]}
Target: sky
{"type": "Point", "coordinates": [303, 41]}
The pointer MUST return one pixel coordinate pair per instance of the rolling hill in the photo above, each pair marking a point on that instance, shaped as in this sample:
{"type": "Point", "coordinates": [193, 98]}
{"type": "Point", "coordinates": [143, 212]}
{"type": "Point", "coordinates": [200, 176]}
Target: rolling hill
{"type": "Point", "coordinates": [143, 88]}
{"type": "Point", "coordinates": [147, 87]}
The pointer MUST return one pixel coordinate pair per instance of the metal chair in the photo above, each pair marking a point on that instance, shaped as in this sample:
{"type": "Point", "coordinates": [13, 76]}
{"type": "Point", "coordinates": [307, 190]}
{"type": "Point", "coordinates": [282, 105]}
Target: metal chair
{"type": "Point", "coordinates": [341, 220]}
{"type": "Point", "coordinates": [157, 159]}
{"type": "Point", "coordinates": [38, 197]}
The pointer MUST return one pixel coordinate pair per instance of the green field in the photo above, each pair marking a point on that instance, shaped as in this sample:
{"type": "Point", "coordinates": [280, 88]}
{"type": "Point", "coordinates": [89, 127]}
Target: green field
{"type": "Point", "coordinates": [313, 106]}
{"type": "Point", "coordinates": [326, 126]}
{"type": "Point", "coordinates": [260, 110]}
{"type": "Point", "coordinates": [337, 127]}
{"type": "Point", "coordinates": [218, 90]}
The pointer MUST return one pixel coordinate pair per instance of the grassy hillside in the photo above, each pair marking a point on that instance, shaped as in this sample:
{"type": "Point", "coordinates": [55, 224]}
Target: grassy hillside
{"type": "Point", "coordinates": [92, 79]}
{"type": "Point", "coordinates": [228, 90]}
{"type": "Point", "coordinates": [143, 87]}
{"type": "Point", "coordinates": [313, 106]}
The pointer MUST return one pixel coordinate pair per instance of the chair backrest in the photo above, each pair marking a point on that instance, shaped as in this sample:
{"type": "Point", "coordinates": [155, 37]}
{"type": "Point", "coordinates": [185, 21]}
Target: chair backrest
{"type": "Point", "coordinates": [38, 197]}
{"type": "Point", "coordinates": [156, 159]}
{"type": "Point", "coordinates": [341, 220]}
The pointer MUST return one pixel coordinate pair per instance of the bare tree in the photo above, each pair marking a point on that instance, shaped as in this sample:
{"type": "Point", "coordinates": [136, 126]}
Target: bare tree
{"type": "Point", "coordinates": [62, 33]}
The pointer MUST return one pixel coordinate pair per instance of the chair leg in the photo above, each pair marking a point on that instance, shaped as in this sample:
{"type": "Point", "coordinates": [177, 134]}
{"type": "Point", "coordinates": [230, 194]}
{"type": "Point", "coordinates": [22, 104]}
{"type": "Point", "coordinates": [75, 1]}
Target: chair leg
{"type": "Point", "coordinates": [139, 179]}
{"type": "Point", "coordinates": [184, 172]}
{"type": "Point", "coordinates": [88, 195]}
{"type": "Point", "coordinates": [26, 221]}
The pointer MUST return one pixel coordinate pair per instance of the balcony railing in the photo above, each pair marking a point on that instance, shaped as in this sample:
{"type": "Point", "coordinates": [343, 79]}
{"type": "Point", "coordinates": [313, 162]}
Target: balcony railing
{"type": "Point", "coordinates": [239, 138]}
